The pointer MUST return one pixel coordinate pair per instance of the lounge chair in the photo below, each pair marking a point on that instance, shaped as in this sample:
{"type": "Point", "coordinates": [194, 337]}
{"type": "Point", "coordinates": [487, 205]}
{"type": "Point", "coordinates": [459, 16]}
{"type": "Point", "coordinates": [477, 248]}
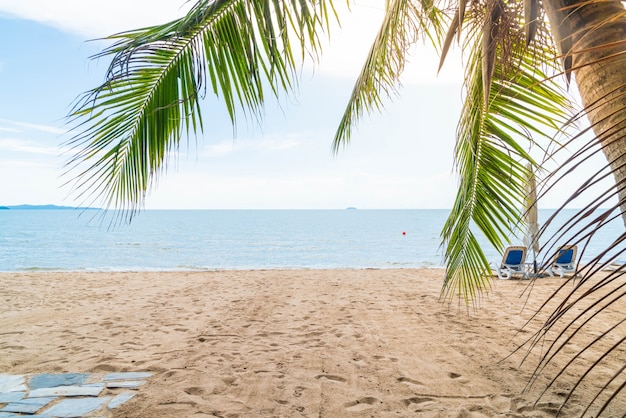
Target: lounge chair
{"type": "Point", "coordinates": [513, 262]}
{"type": "Point", "coordinates": [564, 261]}
{"type": "Point", "coordinates": [616, 265]}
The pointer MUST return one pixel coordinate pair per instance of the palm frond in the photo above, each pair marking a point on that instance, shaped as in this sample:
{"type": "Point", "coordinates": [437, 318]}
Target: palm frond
{"type": "Point", "coordinates": [454, 30]}
{"type": "Point", "coordinates": [403, 24]}
{"type": "Point", "coordinates": [491, 156]}
{"type": "Point", "coordinates": [490, 37]}
{"type": "Point", "coordinates": [584, 333]}
{"type": "Point", "coordinates": [150, 100]}
{"type": "Point", "coordinates": [531, 13]}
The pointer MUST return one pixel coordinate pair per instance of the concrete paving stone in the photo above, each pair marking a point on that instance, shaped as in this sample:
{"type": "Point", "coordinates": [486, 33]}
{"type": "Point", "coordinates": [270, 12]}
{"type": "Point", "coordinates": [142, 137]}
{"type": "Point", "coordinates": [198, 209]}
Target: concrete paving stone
{"type": "Point", "coordinates": [28, 405]}
{"type": "Point", "coordinates": [127, 376]}
{"type": "Point", "coordinates": [128, 384]}
{"type": "Point", "coordinates": [76, 407]}
{"type": "Point", "coordinates": [53, 380]}
{"type": "Point", "coordinates": [35, 416]}
{"type": "Point", "coordinates": [11, 383]}
{"type": "Point", "coordinates": [44, 388]}
{"type": "Point", "coordinates": [120, 399]}
{"type": "Point", "coordinates": [6, 397]}
{"type": "Point", "coordinates": [12, 415]}
{"type": "Point", "coordinates": [83, 390]}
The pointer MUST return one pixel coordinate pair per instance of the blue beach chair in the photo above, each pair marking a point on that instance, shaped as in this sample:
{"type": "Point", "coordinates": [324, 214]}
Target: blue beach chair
{"type": "Point", "coordinates": [513, 262]}
{"type": "Point", "coordinates": [564, 261]}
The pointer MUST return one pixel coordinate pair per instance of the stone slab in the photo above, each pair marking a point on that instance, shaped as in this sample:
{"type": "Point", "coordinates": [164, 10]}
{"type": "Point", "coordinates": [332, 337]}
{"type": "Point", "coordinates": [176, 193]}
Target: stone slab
{"type": "Point", "coordinates": [128, 384]}
{"type": "Point", "coordinates": [12, 415]}
{"type": "Point", "coordinates": [53, 380]}
{"type": "Point", "coordinates": [83, 390]}
{"type": "Point", "coordinates": [28, 405]}
{"type": "Point", "coordinates": [6, 397]}
{"type": "Point", "coordinates": [127, 376]}
{"type": "Point", "coordinates": [120, 399]}
{"type": "Point", "coordinates": [76, 407]}
{"type": "Point", "coordinates": [11, 383]}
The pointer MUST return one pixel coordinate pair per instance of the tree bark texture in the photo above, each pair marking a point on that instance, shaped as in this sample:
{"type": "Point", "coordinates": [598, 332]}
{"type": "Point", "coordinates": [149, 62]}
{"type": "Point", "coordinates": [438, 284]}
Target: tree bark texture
{"type": "Point", "coordinates": [592, 38]}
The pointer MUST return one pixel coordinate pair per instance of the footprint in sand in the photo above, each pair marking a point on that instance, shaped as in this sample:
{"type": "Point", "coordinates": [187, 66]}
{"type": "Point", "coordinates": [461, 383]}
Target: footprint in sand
{"type": "Point", "coordinates": [331, 377]}
{"type": "Point", "coordinates": [361, 404]}
{"type": "Point", "coordinates": [410, 381]}
{"type": "Point", "coordinates": [359, 361]}
{"type": "Point", "coordinates": [501, 403]}
{"type": "Point", "coordinates": [383, 358]}
{"type": "Point", "coordinates": [417, 401]}
{"type": "Point", "coordinates": [458, 377]}
{"type": "Point", "coordinates": [298, 391]}
{"type": "Point", "coordinates": [229, 380]}
{"type": "Point", "coordinates": [194, 391]}
{"type": "Point", "coordinates": [104, 368]}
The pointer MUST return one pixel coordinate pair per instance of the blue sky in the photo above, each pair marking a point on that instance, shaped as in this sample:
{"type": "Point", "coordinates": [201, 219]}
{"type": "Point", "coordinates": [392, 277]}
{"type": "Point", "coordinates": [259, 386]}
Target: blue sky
{"type": "Point", "coordinates": [401, 158]}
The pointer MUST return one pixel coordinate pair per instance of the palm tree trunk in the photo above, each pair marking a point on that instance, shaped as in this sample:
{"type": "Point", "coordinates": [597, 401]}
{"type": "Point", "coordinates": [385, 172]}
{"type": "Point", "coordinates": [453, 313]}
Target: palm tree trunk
{"type": "Point", "coordinates": [592, 39]}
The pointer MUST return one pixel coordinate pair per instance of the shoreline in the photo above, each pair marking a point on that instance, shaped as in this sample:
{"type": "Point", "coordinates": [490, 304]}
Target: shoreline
{"type": "Point", "coordinates": [302, 342]}
{"type": "Point", "coordinates": [45, 270]}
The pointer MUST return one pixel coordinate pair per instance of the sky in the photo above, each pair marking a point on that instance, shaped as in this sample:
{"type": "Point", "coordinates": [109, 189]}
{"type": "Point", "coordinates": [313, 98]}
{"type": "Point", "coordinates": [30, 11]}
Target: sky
{"type": "Point", "coordinates": [400, 158]}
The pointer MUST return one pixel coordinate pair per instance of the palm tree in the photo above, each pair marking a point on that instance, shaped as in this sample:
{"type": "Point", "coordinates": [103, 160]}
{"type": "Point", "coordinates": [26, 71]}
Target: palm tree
{"type": "Point", "coordinates": [517, 56]}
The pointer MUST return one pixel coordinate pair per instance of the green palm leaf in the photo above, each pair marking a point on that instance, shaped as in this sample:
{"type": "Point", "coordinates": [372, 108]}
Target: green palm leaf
{"type": "Point", "coordinates": [404, 23]}
{"type": "Point", "coordinates": [491, 160]}
{"type": "Point", "coordinates": [151, 100]}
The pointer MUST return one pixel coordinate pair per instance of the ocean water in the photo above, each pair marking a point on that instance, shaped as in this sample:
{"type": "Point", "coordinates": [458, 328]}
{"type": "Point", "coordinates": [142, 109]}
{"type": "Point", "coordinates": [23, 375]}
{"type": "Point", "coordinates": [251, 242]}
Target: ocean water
{"type": "Point", "coordinates": [72, 240]}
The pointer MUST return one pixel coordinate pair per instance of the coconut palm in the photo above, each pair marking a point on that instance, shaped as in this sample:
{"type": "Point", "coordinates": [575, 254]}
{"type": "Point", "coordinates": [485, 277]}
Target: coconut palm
{"type": "Point", "coordinates": [520, 56]}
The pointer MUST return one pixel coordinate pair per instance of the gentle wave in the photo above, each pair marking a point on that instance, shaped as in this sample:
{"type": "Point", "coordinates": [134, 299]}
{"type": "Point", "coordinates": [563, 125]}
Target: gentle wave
{"type": "Point", "coordinates": [164, 240]}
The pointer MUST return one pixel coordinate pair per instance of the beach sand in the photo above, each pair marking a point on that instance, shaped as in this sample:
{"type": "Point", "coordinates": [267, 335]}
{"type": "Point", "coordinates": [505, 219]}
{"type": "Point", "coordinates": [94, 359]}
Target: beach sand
{"type": "Point", "coordinates": [301, 343]}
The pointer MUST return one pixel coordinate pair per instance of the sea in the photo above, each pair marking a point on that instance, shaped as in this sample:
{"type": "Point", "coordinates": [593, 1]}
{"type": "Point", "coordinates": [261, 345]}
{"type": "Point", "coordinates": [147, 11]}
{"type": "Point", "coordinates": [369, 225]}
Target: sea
{"type": "Point", "coordinates": [196, 240]}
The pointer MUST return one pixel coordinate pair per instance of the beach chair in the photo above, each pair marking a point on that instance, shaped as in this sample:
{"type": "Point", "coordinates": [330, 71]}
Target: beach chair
{"type": "Point", "coordinates": [513, 262]}
{"type": "Point", "coordinates": [564, 261]}
{"type": "Point", "coordinates": [616, 265]}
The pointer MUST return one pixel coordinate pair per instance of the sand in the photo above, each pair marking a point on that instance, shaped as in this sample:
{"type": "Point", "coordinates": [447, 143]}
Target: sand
{"type": "Point", "coordinates": [301, 343]}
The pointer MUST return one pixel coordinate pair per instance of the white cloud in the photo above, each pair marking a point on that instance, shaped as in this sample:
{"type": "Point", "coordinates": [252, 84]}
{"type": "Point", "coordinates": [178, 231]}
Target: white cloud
{"type": "Point", "coordinates": [19, 145]}
{"type": "Point", "coordinates": [343, 57]}
{"type": "Point", "coordinates": [330, 190]}
{"type": "Point", "coordinates": [96, 19]}
{"type": "Point", "coordinates": [350, 44]}
{"type": "Point", "coordinates": [24, 164]}
{"type": "Point", "coordinates": [31, 126]}
{"type": "Point", "coordinates": [290, 165]}
{"type": "Point", "coordinates": [264, 143]}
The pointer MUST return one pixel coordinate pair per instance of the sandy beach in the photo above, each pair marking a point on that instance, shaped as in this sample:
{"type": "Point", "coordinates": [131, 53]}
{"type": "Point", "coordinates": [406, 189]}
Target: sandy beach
{"type": "Point", "coordinates": [298, 343]}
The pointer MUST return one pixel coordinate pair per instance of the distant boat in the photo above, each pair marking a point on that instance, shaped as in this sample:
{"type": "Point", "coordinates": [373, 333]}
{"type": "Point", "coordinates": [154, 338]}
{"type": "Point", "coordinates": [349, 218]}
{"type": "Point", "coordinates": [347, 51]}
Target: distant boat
{"type": "Point", "coordinates": [351, 208]}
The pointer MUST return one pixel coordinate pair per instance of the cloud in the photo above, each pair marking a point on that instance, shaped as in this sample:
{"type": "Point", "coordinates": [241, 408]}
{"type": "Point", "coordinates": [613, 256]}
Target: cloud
{"type": "Point", "coordinates": [96, 19]}
{"type": "Point", "coordinates": [15, 165]}
{"type": "Point", "coordinates": [271, 143]}
{"type": "Point", "coordinates": [335, 188]}
{"type": "Point", "coordinates": [343, 57]}
{"type": "Point", "coordinates": [349, 45]}
{"type": "Point", "coordinates": [31, 126]}
{"type": "Point", "coordinates": [18, 145]}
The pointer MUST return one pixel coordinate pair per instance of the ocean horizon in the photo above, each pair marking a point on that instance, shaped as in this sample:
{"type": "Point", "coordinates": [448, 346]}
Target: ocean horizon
{"type": "Point", "coordinates": [238, 239]}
